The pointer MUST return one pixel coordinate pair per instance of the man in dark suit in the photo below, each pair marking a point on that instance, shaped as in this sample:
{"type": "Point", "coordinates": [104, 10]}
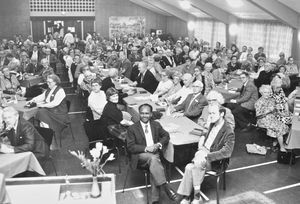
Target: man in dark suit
{"type": "Point", "coordinates": [145, 79]}
{"type": "Point", "coordinates": [242, 106]}
{"type": "Point", "coordinates": [34, 68]}
{"type": "Point", "coordinates": [52, 59]}
{"type": "Point", "coordinates": [194, 103]}
{"type": "Point", "coordinates": [146, 140]}
{"type": "Point", "coordinates": [108, 81]}
{"type": "Point", "coordinates": [167, 60]}
{"type": "Point", "coordinates": [23, 137]}
{"type": "Point", "coordinates": [216, 145]}
{"type": "Point", "coordinates": [35, 53]}
{"type": "Point", "coordinates": [126, 66]}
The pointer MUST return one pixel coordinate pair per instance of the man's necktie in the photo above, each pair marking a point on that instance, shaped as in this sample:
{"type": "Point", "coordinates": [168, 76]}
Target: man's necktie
{"type": "Point", "coordinates": [146, 129]}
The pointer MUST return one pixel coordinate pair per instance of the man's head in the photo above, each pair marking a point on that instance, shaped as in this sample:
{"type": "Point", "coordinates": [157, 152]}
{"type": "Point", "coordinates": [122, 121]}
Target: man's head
{"type": "Point", "coordinates": [113, 73]}
{"type": "Point", "coordinates": [10, 116]}
{"type": "Point", "coordinates": [214, 97]}
{"type": "Point", "coordinates": [6, 72]}
{"type": "Point", "coordinates": [44, 62]}
{"type": "Point", "coordinates": [233, 59]}
{"type": "Point", "coordinates": [142, 67]}
{"type": "Point", "coordinates": [145, 111]}
{"type": "Point", "coordinates": [187, 79]}
{"type": "Point", "coordinates": [208, 66]}
{"type": "Point", "coordinates": [215, 113]}
{"type": "Point", "coordinates": [197, 87]}
{"type": "Point", "coordinates": [244, 77]}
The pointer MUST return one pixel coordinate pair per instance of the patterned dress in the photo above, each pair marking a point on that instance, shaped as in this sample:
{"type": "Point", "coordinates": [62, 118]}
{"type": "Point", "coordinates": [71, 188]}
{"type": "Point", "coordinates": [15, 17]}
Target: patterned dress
{"type": "Point", "coordinates": [275, 127]}
{"type": "Point", "coordinates": [282, 109]}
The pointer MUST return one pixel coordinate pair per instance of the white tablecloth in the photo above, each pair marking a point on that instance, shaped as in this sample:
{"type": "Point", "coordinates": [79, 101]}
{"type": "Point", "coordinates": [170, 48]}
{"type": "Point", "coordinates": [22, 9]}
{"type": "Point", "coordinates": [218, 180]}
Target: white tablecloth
{"type": "Point", "coordinates": [13, 164]}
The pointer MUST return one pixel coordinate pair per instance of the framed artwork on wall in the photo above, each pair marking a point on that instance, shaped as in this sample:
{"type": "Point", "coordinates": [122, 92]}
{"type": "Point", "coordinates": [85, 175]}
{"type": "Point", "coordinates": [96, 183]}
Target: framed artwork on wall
{"type": "Point", "coordinates": [126, 25]}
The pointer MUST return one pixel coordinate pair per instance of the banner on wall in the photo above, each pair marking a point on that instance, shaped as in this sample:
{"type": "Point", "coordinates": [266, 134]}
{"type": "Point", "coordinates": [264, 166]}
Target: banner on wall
{"type": "Point", "coordinates": [126, 25]}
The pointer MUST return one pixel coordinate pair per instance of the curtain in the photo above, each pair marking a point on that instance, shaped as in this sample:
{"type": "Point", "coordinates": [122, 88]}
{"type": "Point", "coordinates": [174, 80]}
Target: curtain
{"type": "Point", "coordinates": [211, 32]}
{"type": "Point", "coordinates": [273, 37]}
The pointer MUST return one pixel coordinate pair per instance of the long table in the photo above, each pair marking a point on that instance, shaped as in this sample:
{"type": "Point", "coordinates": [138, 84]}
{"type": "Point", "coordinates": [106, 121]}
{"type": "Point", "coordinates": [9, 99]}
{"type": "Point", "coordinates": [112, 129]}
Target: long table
{"type": "Point", "coordinates": [31, 81]}
{"type": "Point", "coordinates": [13, 164]}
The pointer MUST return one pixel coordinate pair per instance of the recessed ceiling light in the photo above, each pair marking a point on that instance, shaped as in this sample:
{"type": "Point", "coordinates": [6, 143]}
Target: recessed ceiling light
{"type": "Point", "coordinates": [235, 3]}
{"type": "Point", "coordinates": [185, 4]}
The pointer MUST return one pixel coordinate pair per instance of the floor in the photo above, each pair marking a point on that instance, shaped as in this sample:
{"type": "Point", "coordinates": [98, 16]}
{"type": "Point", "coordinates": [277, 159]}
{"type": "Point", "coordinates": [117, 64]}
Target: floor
{"type": "Point", "coordinates": [246, 172]}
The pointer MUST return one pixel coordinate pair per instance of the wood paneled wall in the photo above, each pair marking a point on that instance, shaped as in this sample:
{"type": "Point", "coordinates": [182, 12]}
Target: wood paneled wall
{"type": "Point", "coordinates": [14, 18]}
{"type": "Point", "coordinates": [105, 9]}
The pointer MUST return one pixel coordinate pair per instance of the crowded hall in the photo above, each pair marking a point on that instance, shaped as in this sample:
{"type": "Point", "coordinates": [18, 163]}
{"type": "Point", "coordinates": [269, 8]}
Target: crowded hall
{"type": "Point", "coordinates": [149, 101]}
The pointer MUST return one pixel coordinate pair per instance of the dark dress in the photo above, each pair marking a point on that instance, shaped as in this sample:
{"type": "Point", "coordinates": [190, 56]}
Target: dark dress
{"type": "Point", "coordinates": [112, 116]}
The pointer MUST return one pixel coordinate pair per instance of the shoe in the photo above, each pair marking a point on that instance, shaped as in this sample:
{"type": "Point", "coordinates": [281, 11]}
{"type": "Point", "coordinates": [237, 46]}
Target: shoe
{"type": "Point", "coordinates": [185, 201]}
{"type": "Point", "coordinates": [196, 201]}
{"type": "Point", "coordinates": [155, 202]}
{"type": "Point", "coordinates": [171, 193]}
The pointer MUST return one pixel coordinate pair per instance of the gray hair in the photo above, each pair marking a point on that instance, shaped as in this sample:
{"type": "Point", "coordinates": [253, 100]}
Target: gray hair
{"type": "Point", "coordinates": [265, 87]}
{"type": "Point", "coordinates": [216, 95]}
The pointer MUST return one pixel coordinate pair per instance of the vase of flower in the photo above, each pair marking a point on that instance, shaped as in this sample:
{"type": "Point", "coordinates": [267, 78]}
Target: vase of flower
{"type": "Point", "coordinates": [96, 188]}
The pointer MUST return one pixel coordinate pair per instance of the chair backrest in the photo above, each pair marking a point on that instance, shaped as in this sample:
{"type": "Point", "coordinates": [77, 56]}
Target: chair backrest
{"type": "Point", "coordinates": [46, 133]}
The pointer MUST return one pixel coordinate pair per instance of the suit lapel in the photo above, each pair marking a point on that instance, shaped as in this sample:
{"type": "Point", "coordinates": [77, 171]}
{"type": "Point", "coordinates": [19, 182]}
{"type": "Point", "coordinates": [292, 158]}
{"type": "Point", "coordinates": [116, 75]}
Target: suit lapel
{"type": "Point", "coordinates": [219, 135]}
{"type": "Point", "coordinates": [140, 129]}
{"type": "Point", "coordinates": [153, 131]}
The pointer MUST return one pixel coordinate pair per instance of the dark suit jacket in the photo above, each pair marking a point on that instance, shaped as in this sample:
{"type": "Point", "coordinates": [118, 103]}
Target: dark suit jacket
{"type": "Point", "coordinates": [27, 139]}
{"type": "Point", "coordinates": [249, 96]}
{"type": "Point", "coordinates": [136, 141]}
{"type": "Point", "coordinates": [164, 62]}
{"type": "Point", "coordinates": [127, 67]}
{"type": "Point", "coordinates": [38, 70]}
{"type": "Point", "coordinates": [39, 55]}
{"type": "Point", "coordinates": [194, 111]}
{"type": "Point", "coordinates": [149, 82]}
{"type": "Point", "coordinates": [222, 147]}
{"type": "Point", "coordinates": [106, 84]}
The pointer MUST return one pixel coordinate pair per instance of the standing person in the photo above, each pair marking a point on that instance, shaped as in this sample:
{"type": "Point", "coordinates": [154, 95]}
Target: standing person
{"type": "Point", "coordinates": [217, 144]}
{"type": "Point", "coordinates": [146, 139]}
{"type": "Point", "coordinates": [68, 39]}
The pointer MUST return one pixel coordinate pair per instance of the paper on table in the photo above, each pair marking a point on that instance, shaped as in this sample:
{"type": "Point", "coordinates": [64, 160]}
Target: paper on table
{"type": "Point", "coordinates": [141, 98]}
{"type": "Point", "coordinates": [171, 127]}
{"type": "Point", "coordinates": [230, 91]}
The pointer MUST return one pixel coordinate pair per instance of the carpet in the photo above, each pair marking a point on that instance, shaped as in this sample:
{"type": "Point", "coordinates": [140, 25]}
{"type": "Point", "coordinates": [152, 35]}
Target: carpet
{"type": "Point", "coordinates": [249, 197]}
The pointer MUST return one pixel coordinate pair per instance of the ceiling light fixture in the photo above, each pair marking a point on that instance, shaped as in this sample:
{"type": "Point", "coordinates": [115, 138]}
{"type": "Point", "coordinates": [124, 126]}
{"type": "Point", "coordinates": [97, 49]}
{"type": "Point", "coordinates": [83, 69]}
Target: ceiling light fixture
{"type": "Point", "coordinates": [185, 4]}
{"type": "Point", "coordinates": [235, 3]}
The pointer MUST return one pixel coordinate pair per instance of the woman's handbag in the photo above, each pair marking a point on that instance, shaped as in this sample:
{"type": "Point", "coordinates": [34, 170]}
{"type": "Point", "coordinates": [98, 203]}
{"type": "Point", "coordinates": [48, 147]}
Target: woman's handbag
{"type": "Point", "coordinates": [286, 157]}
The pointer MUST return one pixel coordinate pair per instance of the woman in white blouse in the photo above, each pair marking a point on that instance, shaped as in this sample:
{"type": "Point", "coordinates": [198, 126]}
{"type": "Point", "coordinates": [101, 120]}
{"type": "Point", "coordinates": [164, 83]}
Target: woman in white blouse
{"type": "Point", "coordinates": [164, 85]}
{"type": "Point", "coordinates": [97, 99]}
{"type": "Point", "coordinates": [53, 110]}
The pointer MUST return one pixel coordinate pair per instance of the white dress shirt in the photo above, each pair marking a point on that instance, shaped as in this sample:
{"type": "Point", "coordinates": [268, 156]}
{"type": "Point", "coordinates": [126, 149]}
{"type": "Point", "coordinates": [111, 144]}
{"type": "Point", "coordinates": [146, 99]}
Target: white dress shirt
{"type": "Point", "coordinates": [212, 135]}
{"type": "Point", "coordinates": [97, 102]}
{"type": "Point", "coordinates": [59, 96]}
{"type": "Point", "coordinates": [148, 134]}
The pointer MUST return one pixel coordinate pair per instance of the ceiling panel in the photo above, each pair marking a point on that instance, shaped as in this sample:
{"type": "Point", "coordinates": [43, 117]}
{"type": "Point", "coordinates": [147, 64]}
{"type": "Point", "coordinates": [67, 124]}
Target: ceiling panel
{"type": "Point", "coordinates": [293, 4]}
{"type": "Point", "coordinates": [245, 11]}
{"type": "Point", "coordinates": [194, 11]}
{"type": "Point", "coordinates": [150, 7]}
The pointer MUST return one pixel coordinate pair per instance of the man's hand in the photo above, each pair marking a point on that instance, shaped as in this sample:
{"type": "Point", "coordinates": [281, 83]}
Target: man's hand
{"type": "Point", "coordinates": [6, 149]}
{"type": "Point", "coordinates": [232, 101]}
{"type": "Point", "coordinates": [153, 149]}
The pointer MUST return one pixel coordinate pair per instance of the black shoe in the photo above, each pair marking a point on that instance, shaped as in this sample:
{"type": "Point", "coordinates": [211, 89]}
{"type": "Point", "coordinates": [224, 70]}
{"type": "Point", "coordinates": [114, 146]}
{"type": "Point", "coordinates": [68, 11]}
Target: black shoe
{"type": "Point", "coordinates": [171, 193]}
{"type": "Point", "coordinates": [155, 202]}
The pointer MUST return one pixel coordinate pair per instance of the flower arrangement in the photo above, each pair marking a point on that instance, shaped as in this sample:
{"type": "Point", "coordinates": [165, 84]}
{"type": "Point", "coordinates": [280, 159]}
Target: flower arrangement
{"type": "Point", "coordinates": [95, 166]}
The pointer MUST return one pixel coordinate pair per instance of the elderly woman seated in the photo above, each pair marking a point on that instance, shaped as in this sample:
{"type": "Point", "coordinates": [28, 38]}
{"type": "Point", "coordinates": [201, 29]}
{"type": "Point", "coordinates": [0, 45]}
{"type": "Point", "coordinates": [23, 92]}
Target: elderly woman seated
{"type": "Point", "coordinates": [164, 85]}
{"type": "Point", "coordinates": [281, 102]}
{"type": "Point", "coordinates": [214, 97]}
{"type": "Point", "coordinates": [86, 85]}
{"type": "Point", "coordinates": [53, 111]}
{"type": "Point", "coordinates": [176, 85]}
{"type": "Point", "coordinates": [9, 83]}
{"type": "Point", "coordinates": [265, 108]}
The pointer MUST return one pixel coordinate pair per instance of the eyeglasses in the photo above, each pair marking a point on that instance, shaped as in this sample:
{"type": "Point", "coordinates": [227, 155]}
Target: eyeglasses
{"type": "Point", "coordinates": [49, 82]}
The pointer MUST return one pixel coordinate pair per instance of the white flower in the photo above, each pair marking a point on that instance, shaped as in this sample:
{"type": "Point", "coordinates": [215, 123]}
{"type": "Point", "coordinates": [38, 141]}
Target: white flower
{"type": "Point", "coordinates": [105, 150]}
{"type": "Point", "coordinates": [99, 146]}
{"type": "Point", "coordinates": [95, 153]}
{"type": "Point", "coordinates": [111, 157]}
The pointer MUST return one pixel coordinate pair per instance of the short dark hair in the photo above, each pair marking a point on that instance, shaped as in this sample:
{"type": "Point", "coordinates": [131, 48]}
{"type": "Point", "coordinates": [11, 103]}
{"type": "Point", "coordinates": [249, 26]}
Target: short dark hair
{"type": "Point", "coordinates": [233, 57]}
{"type": "Point", "coordinates": [110, 92]}
{"type": "Point", "coordinates": [9, 55]}
{"type": "Point", "coordinates": [146, 105]}
{"type": "Point", "coordinates": [98, 81]}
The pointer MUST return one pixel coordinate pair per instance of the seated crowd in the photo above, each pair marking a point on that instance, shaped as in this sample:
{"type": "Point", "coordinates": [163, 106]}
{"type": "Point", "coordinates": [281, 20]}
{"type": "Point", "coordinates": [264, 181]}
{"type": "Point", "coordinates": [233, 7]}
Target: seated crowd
{"type": "Point", "coordinates": [187, 74]}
